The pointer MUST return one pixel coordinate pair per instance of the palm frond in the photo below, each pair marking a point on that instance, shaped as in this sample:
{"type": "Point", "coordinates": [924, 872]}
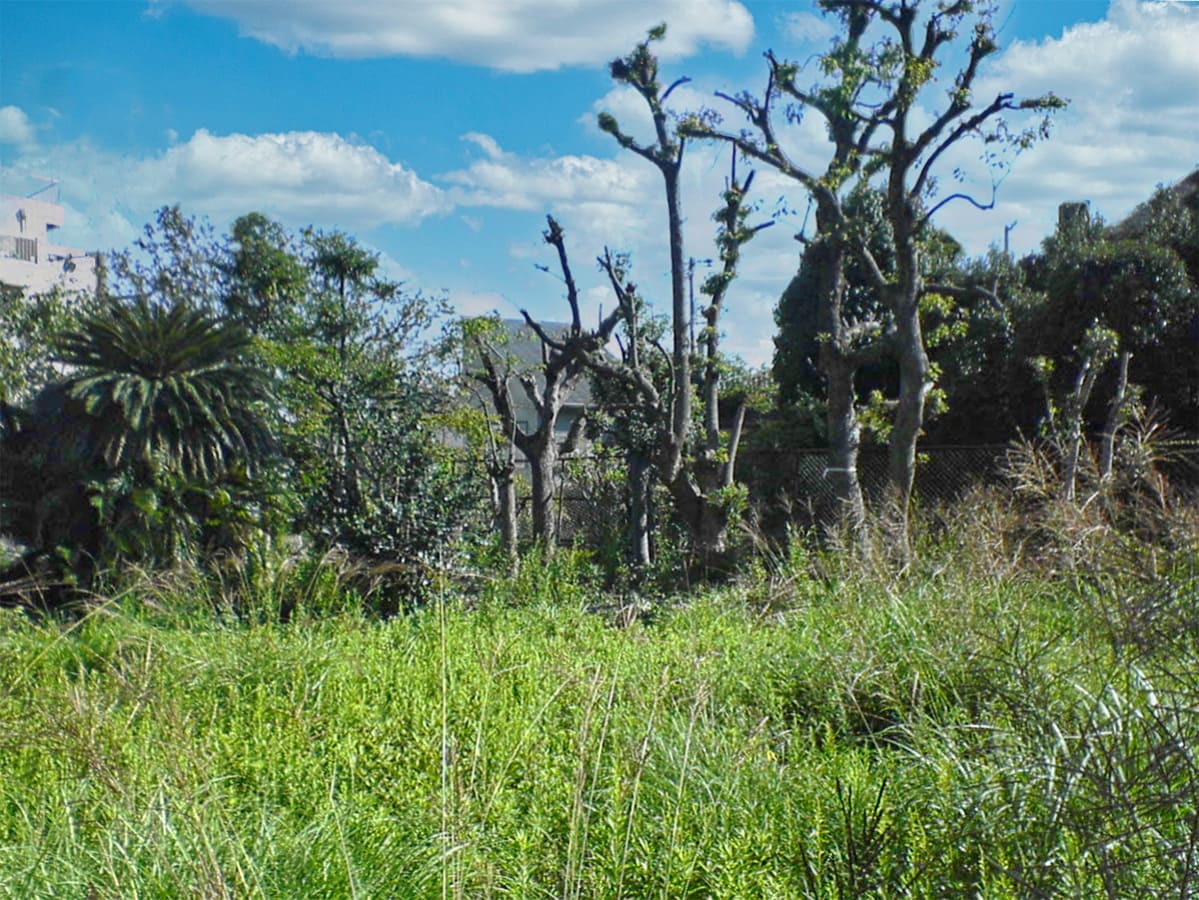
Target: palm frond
{"type": "Point", "coordinates": [170, 384]}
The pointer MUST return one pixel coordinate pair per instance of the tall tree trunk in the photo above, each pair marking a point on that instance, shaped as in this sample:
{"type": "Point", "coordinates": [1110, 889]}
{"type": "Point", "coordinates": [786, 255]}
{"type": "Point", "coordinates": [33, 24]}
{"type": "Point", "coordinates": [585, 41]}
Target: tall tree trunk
{"type": "Point", "coordinates": [844, 439]}
{"type": "Point", "coordinates": [542, 466]}
{"type": "Point", "coordinates": [504, 484]}
{"type": "Point", "coordinates": [1117, 411]}
{"type": "Point", "coordinates": [839, 369]}
{"type": "Point", "coordinates": [914, 369]}
{"type": "Point", "coordinates": [914, 383]}
{"type": "Point", "coordinates": [681, 350]}
{"type": "Point", "coordinates": [350, 474]}
{"type": "Point", "coordinates": [640, 484]}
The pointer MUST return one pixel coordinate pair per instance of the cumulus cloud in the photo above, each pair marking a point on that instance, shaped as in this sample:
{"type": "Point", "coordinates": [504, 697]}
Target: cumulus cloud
{"type": "Point", "coordinates": [599, 193]}
{"type": "Point", "coordinates": [1131, 123]}
{"type": "Point", "coordinates": [15, 127]}
{"type": "Point", "coordinates": [298, 177]}
{"type": "Point", "coordinates": [304, 175]}
{"type": "Point", "coordinates": [511, 35]}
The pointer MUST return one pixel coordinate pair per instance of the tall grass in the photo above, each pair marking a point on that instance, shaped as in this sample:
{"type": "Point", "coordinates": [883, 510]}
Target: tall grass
{"type": "Point", "coordinates": [967, 728]}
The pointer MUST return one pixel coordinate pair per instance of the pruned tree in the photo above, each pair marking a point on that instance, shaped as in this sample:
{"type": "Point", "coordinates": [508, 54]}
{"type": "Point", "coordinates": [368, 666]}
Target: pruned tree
{"type": "Point", "coordinates": [698, 475]}
{"type": "Point", "coordinates": [484, 429]}
{"type": "Point", "coordinates": [869, 99]}
{"type": "Point", "coordinates": [733, 232]}
{"type": "Point", "coordinates": [1102, 296]}
{"type": "Point", "coordinates": [623, 419]}
{"type": "Point", "coordinates": [1064, 415]}
{"type": "Point", "coordinates": [701, 482]}
{"type": "Point", "coordinates": [639, 70]}
{"type": "Point", "coordinates": [846, 343]}
{"type": "Point", "coordinates": [799, 340]}
{"type": "Point", "coordinates": [547, 386]}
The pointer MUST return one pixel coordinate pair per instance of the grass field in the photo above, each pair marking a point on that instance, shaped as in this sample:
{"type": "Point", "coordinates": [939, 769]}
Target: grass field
{"type": "Point", "coordinates": [808, 731]}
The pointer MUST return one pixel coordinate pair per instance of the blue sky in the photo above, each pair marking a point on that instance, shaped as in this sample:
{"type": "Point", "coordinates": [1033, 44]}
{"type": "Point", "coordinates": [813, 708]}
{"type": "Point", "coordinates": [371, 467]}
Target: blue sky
{"type": "Point", "coordinates": [440, 132]}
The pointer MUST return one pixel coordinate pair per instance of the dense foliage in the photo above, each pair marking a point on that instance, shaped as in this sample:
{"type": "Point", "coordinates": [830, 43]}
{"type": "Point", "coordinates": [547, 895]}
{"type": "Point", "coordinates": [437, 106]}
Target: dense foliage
{"type": "Point", "coordinates": [1136, 278]}
{"type": "Point", "coordinates": [226, 393]}
{"type": "Point", "coordinates": [357, 384]}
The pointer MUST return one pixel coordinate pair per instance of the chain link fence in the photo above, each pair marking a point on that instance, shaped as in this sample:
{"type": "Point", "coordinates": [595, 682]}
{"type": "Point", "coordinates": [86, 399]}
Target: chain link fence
{"type": "Point", "coordinates": [792, 485]}
{"type": "Point", "coordinates": [795, 484]}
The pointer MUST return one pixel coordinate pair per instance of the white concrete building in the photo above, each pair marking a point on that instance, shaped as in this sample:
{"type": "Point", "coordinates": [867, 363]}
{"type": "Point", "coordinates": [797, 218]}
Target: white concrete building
{"type": "Point", "coordinates": [29, 256]}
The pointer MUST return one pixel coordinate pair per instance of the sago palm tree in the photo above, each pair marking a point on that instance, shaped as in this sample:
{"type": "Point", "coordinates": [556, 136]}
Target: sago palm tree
{"type": "Point", "coordinates": [167, 387]}
{"type": "Point", "coordinates": [161, 418]}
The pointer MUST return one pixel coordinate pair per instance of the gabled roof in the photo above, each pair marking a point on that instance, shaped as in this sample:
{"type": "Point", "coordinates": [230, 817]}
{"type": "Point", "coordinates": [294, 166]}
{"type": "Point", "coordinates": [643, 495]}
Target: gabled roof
{"type": "Point", "coordinates": [525, 346]}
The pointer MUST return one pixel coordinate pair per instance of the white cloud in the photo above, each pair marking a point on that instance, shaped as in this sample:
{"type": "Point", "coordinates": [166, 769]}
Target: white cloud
{"type": "Point", "coordinates": [15, 127]}
{"type": "Point", "coordinates": [298, 177]}
{"type": "Point", "coordinates": [806, 27]}
{"type": "Point", "coordinates": [1132, 123]}
{"type": "Point", "coordinates": [512, 35]}
{"type": "Point", "coordinates": [509, 181]}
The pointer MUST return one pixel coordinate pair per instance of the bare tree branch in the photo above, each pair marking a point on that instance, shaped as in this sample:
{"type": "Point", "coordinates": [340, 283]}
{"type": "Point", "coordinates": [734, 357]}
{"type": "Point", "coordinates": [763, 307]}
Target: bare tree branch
{"type": "Point", "coordinates": [554, 236]}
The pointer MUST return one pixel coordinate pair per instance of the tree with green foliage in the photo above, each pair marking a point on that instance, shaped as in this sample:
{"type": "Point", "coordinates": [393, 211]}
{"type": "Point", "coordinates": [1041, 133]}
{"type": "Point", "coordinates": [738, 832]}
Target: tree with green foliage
{"type": "Point", "coordinates": [1136, 284]}
{"type": "Point", "coordinates": [266, 278]}
{"type": "Point", "coordinates": [28, 322]}
{"type": "Point", "coordinates": [622, 420]}
{"type": "Point", "coordinates": [177, 259]}
{"type": "Point", "coordinates": [148, 450]}
{"type": "Point", "coordinates": [978, 365]}
{"type": "Point", "coordinates": [147, 441]}
{"type": "Point", "coordinates": [868, 94]}
{"type": "Point", "coordinates": [1098, 295]}
{"type": "Point", "coordinates": [357, 384]}
{"type": "Point", "coordinates": [798, 341]}
{"type": "Point", "coordinates": [487, 438]}
{"type": "Point", "coordinates": [166, 384]}
{"type": "Point", "coordinates": [696, 470]}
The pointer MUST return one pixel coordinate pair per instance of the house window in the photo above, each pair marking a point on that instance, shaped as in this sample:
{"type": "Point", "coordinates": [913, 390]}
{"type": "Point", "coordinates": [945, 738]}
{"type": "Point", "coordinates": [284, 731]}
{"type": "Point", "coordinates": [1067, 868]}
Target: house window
{"type": "Point", "coordinates": [27, 249]}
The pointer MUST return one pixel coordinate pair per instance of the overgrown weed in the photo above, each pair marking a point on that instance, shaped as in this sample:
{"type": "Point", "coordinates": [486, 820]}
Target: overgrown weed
{"type": "Point", "coordinates": [969, 726]}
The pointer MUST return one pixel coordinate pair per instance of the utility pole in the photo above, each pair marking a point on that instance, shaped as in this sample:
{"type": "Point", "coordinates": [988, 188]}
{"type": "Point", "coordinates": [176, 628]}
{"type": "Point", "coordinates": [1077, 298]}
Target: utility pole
{"type": "Point", "coordinates": [692, 262]}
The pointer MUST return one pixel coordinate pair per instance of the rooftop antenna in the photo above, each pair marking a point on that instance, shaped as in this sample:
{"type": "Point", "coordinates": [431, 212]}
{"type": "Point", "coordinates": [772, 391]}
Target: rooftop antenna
{"type": "Point", "coordinates": [50, 183]}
